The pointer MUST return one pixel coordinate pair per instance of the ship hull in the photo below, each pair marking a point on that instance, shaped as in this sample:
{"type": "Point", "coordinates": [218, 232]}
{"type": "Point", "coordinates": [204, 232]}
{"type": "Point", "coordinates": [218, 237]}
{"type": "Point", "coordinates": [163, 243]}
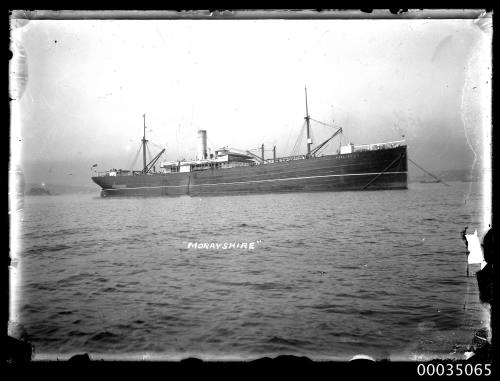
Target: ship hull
{"type": "Point", "coordinates": [366, 170]}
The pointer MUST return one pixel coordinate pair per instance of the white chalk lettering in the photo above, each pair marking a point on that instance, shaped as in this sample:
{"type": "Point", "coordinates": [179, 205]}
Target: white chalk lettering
{"type": "Point", "coordinates": [223, 246]}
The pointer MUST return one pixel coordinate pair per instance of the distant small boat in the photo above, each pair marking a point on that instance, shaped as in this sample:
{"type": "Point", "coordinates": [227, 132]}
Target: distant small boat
{"type": "Point", "coordinates": [429, 181]}
{"type": "Point", "coordinates": [38, 192]}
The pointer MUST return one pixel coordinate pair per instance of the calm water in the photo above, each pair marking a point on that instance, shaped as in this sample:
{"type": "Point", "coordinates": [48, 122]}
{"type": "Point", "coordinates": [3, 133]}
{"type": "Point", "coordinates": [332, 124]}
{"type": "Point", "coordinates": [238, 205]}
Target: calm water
{"type": "Point", "coordinates": [332, 275]}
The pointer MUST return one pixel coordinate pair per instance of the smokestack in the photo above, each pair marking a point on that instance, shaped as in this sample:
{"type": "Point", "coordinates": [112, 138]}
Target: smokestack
{"type": "Point", "coordinates": [202, 144]}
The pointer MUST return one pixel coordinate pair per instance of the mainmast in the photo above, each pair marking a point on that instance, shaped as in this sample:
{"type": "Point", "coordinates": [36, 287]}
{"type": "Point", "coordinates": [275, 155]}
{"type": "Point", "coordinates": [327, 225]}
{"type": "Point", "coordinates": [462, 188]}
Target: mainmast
{"type": "Point", "coordinates": [144, 141]}
{"type": "Point", "coordinates": [309, 141]}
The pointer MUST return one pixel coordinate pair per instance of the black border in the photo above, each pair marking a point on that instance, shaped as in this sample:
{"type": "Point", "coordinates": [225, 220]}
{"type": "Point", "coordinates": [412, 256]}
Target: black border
{"type": "Point", "coordinates": [282, 367]}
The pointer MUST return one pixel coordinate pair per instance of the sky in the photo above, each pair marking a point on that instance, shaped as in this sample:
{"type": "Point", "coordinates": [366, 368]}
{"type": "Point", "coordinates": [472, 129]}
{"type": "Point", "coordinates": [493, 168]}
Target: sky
{"type": "Point", "coordinates": [89, 82]}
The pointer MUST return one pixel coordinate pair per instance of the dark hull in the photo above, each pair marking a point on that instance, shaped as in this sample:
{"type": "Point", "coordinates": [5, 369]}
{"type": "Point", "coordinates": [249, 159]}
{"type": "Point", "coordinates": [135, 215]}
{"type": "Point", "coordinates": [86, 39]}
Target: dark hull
{"type": "Point", "coordinates": [370, 170]}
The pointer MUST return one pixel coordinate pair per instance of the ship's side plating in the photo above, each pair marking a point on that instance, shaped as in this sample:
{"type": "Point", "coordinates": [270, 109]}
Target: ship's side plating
{"type": "Point", "coordinates": [370, 170]}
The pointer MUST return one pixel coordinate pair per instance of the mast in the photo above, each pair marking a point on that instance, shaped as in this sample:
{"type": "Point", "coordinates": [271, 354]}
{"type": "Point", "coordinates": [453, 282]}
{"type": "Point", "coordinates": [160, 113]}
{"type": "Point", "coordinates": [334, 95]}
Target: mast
{"type": "Point", "coordinates": [309, 142]}
{"type": "Point", "coordinates": [144, 145]}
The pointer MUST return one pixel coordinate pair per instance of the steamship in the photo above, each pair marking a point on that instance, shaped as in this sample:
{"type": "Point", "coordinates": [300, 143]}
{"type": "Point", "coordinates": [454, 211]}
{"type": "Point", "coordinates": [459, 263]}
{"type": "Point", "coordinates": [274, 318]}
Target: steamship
{"type": "Point", "coordinates": [379, 166]}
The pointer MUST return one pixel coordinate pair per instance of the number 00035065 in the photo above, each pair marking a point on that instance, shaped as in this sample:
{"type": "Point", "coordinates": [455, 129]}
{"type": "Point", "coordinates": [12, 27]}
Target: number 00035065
{"type": "Point", "coordinates": [454, 369]}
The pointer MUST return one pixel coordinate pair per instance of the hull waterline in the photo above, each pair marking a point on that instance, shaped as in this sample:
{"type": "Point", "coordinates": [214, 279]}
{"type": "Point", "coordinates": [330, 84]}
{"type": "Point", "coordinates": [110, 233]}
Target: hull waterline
{"type": "Point", "coordinates": [367, 170]}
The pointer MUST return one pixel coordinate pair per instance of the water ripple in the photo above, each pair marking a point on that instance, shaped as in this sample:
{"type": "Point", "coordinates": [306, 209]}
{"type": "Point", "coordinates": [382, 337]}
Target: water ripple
{"type": "Point", "coordinates": [334, 273]}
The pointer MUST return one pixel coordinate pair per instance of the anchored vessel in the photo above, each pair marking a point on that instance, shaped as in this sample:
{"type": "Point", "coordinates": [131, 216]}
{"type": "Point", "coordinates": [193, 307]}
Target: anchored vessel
{"type": "Point", "coordinates": [229, 171]}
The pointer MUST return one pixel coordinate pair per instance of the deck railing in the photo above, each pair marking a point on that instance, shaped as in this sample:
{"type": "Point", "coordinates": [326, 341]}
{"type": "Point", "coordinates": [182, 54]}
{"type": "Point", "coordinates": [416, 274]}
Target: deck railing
{"type": "Point", "coordinates": [118, 172]}
{"type": "Point", "coordinates": [356, 148]}
{"type": "Point", "coordinates": [377, 146]}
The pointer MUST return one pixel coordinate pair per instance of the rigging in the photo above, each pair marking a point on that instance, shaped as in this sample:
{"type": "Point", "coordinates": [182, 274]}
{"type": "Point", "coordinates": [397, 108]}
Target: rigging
{"type": "Point", "coordinates": [313, 152]}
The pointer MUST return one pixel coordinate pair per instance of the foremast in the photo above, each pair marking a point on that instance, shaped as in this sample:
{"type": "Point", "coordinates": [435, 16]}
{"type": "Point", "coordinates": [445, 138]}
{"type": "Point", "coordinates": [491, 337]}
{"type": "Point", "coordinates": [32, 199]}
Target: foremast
{"type": "Point", "coordinates": [307, 118]}
{"type": "Point", "coordinates": [144, 142]}
{"type": "Point", "coordinates": [313, 152]}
